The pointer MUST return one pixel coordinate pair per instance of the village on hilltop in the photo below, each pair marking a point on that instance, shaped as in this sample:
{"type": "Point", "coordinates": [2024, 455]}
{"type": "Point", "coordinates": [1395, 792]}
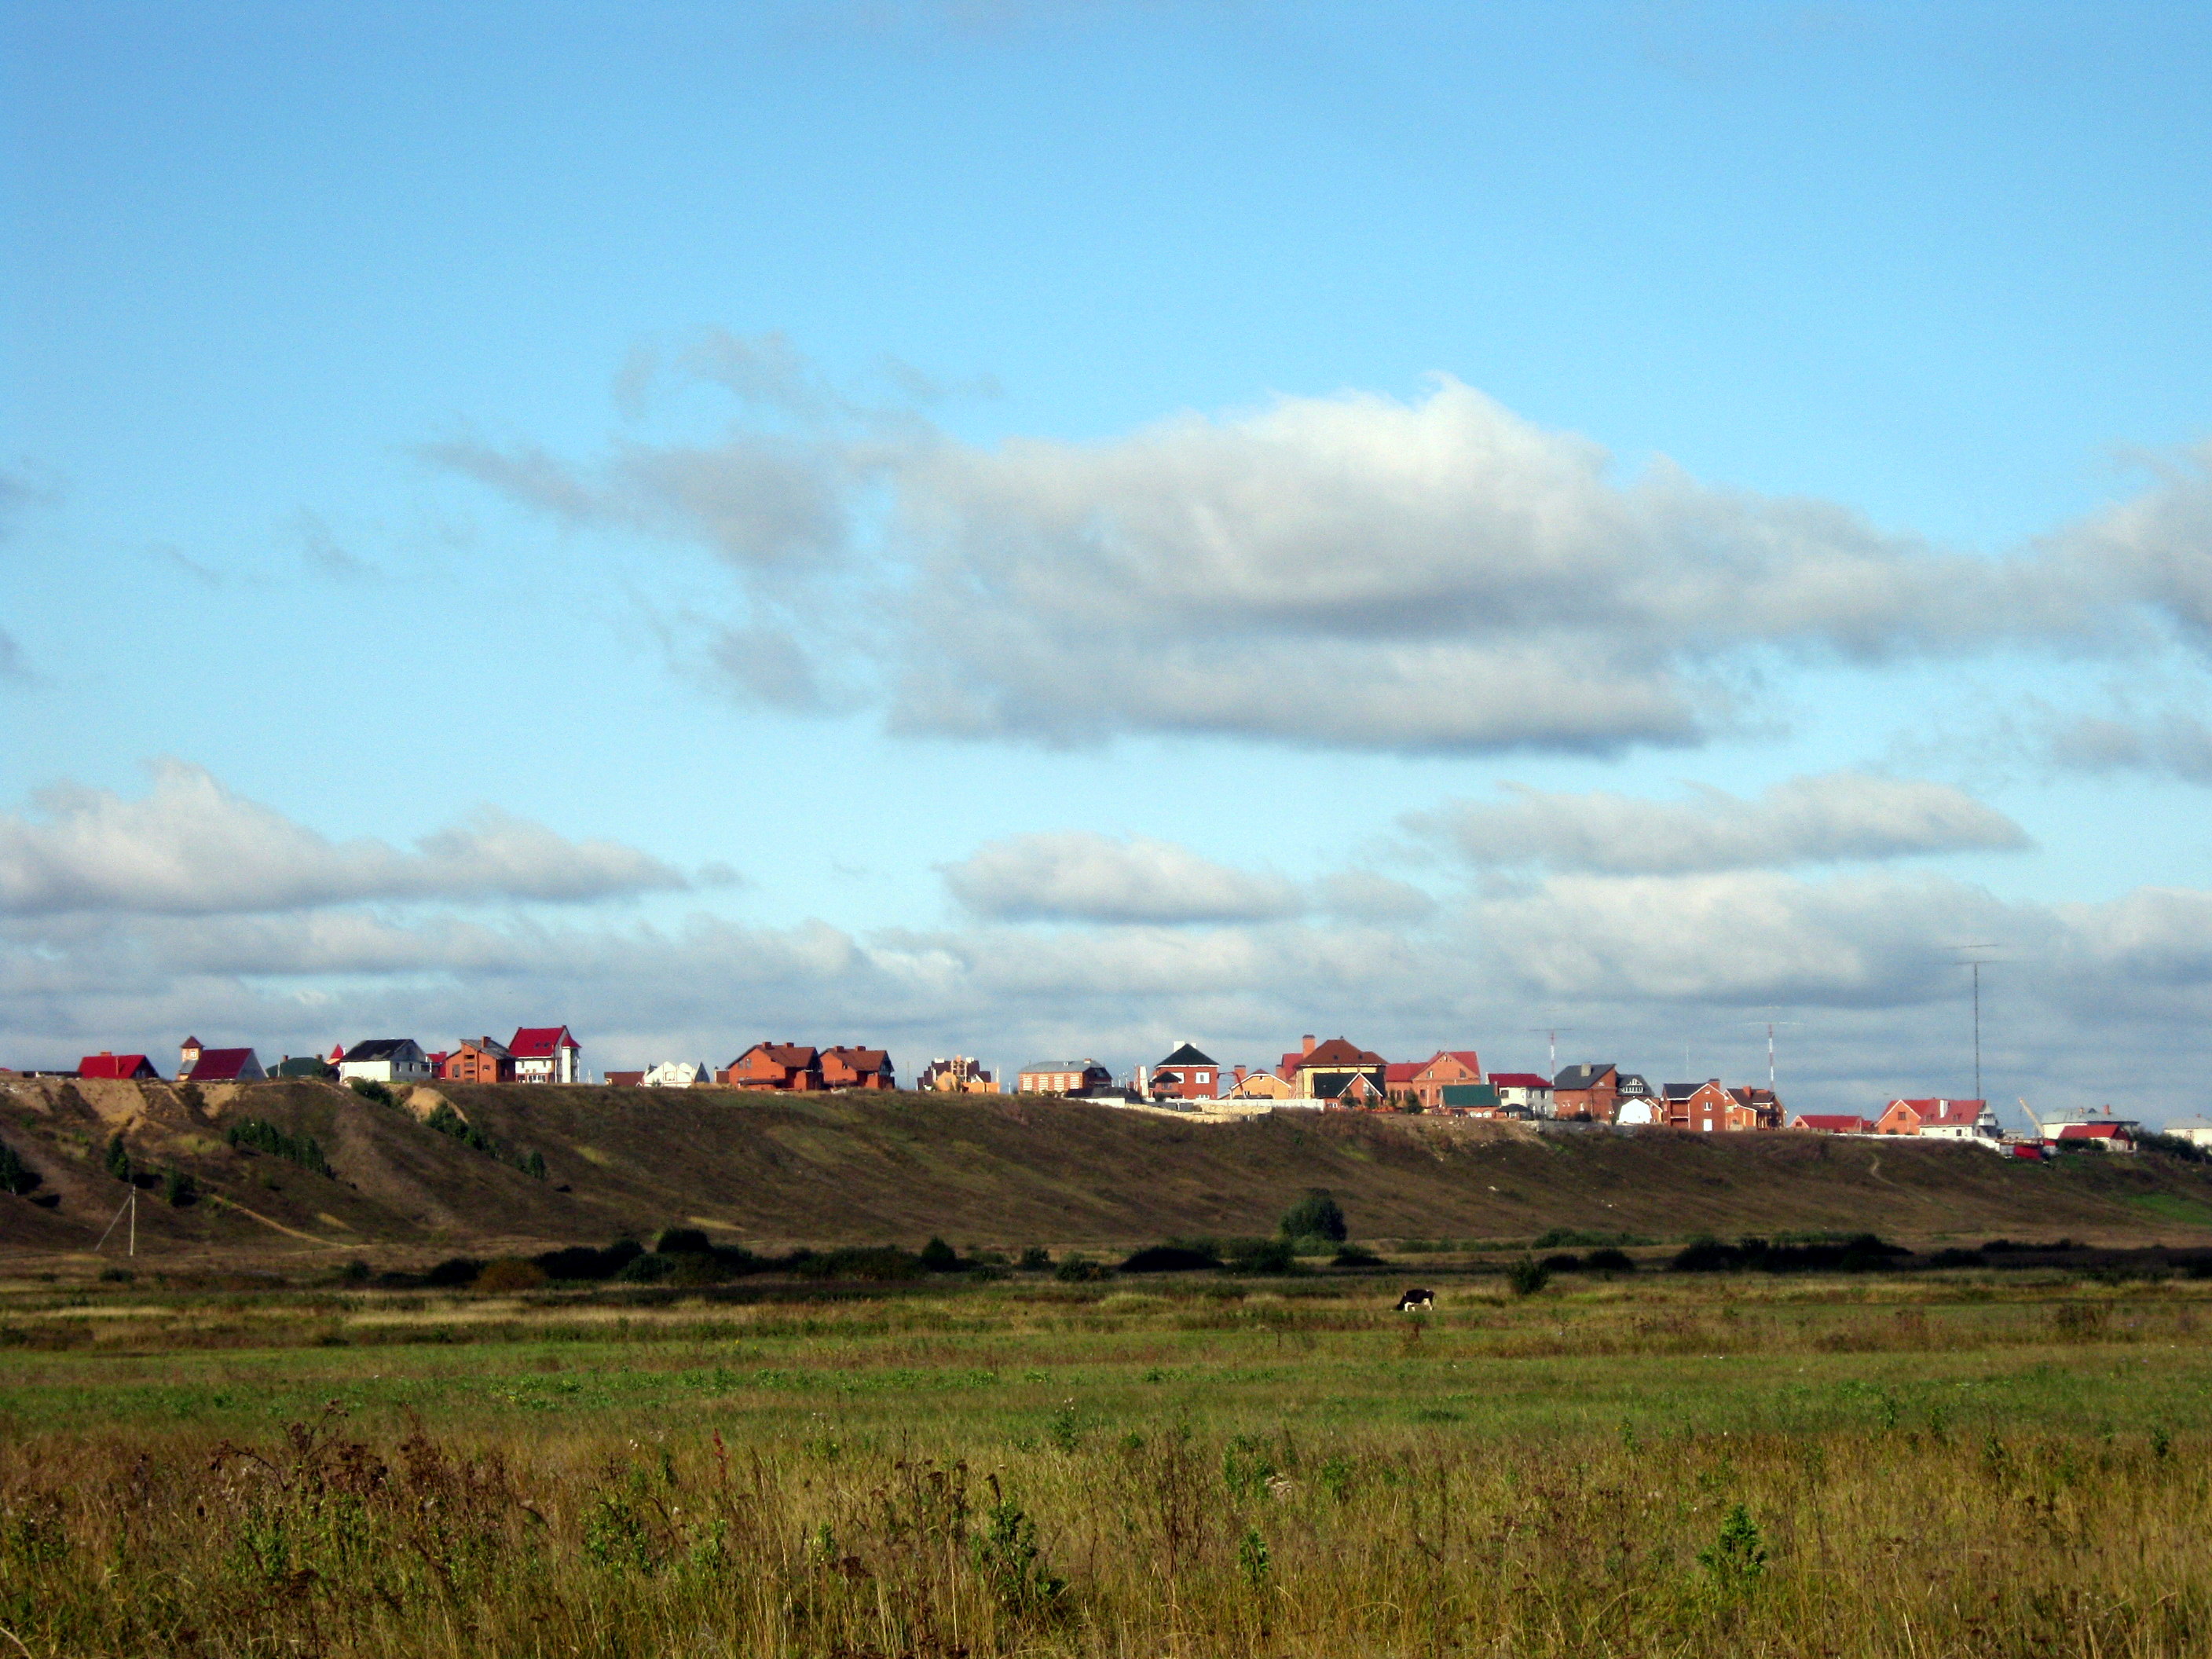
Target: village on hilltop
{"type": "Point", "coordinates": [1335, 1075]}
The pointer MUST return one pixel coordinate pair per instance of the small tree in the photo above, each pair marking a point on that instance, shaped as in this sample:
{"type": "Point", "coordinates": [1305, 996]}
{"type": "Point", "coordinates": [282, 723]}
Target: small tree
{"type": "Point", "coordinates": [118, 1158]}
{"type": "Point", "coordinates": [1318, 1215]}
{"type": "Point", "coordinates": [179, 1188]}
{"type": "Point", "coordinates": [938, 1257]}
{"type": "Point", "coordinates": [1526, 1276]}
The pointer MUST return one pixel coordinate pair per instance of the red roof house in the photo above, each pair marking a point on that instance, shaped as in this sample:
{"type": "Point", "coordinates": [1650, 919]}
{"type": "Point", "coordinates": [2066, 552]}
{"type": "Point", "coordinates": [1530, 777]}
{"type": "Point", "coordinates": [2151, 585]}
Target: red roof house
{"type": "Point", "coordinates": [127, 1068]}
{"type": "Point", "coordinates": [199, 1065]}
{"type": "Point", "coordinates": [1832, 1123]}
{"type": "Point", "coordinates": [545, 1054]}
{"type": "Point", "coordinates": [2110, 1137]}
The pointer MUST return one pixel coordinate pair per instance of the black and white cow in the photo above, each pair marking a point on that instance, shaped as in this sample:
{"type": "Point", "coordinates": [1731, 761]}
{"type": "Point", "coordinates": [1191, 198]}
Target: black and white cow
{"type": "Point", "coordinates": [1416, 1301]}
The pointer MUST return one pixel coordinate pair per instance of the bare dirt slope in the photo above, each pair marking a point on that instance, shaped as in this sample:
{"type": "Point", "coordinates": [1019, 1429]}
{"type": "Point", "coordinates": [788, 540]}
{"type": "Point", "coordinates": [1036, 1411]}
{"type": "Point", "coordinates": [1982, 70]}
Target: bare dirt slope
{"type": "Point", "coordinates": [773, 1171]}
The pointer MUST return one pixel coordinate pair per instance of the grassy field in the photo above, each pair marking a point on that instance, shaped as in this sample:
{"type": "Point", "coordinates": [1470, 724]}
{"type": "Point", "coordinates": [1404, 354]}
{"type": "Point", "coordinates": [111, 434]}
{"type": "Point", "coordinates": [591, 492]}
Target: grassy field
{"type": "Point", "coordinates": [1964, 1461]}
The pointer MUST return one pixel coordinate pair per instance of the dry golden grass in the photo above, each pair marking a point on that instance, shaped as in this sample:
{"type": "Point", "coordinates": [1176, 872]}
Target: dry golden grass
{"type": "Point", "coordinates": [1962, 1464]}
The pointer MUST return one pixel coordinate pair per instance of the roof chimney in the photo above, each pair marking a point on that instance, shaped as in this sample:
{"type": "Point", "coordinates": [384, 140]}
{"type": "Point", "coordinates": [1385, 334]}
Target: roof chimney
{"type": "Point", "coordinates": [1239, 1073]}
{"type": "Point", "coordinates": [1308, 1040]}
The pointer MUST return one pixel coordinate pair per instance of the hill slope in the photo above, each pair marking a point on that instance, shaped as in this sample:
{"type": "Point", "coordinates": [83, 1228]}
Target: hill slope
{"type": "Point", "coordinates": [773, 1171]}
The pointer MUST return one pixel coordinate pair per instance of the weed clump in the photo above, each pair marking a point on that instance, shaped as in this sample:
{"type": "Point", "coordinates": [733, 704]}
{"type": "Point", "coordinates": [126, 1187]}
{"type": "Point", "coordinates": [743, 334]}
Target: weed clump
{"type": "Point", "coordinates": [1193, 1256]}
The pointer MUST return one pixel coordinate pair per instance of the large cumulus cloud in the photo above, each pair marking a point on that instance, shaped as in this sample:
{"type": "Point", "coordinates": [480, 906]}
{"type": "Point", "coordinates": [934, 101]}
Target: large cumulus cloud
{"type": "Point", "coordinates": [1352, 571]}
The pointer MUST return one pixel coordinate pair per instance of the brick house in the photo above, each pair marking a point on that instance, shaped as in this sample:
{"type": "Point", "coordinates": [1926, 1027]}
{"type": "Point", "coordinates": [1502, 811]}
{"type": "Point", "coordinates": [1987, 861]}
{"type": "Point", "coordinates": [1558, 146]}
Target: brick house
{"type": "Point", "coordinates": [121, 1068]}
{"type": "Point", "coordinates": [1596, 1091]}
{"type": "Point", "coordinates": [1187, 1074]}
{"type": "Point", "coordinates": [1447, 1067]}
{"type": "Point", "coordinates": [1832, 1123]}
{"type": "Point", "coordinates": [1706, 1106]}
{"type": "Point", "coordinates": [478, 1059]}
{"type": "Point", "coordinates": [1257, 1085]}
{"type": "Point", "coordinates": [2109, 1136]}
{"type": "Point", "coordinates": [1062, 1077]}
{"type": "Point", "coordinates": [545, 1054]}
{"type": "Point", "coordinates": [1323, 1070]}
{"type": "Point", "coordinates": [857, 1068]}
{"type": "Point", "coordinates": [787, 1066]}
{"type": "Point", "coordinates": [625, 1080]}
{"type": "Point", "coordinates": [1943, 1119]}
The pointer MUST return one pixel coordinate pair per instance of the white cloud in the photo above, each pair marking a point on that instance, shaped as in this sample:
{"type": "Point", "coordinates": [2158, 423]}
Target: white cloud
{"type": "Point", "coordinates": [1832, 817]}
{"type": "Point", "coordinates": [190, 847]}
{"type": "Point", "coordinates": [1077, 875]}
{"type": "Point", "coordinates": [1351, 571]}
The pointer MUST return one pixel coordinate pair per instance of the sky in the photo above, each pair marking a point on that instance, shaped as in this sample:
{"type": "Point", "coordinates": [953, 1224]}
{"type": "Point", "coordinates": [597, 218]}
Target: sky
{"type": "Point", "coordinates": [1035, 530]}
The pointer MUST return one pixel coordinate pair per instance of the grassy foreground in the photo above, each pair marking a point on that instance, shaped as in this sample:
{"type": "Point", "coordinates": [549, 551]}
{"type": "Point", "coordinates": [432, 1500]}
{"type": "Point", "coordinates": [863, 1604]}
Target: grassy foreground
{"type": "Point", "coordinates": [1958, 1464]}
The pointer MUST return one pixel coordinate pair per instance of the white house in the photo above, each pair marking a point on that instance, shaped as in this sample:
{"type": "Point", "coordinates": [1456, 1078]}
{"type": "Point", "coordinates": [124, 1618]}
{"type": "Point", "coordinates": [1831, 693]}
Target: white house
{"type": "Point", "coordinates": [385, 1059]}
{"type": "Point", "coordinates": [678, 1074]}
{"type": "Point", "coordinates": [1529, 1091]}
{"type": "Point", "coordinates": [2196, 1130]}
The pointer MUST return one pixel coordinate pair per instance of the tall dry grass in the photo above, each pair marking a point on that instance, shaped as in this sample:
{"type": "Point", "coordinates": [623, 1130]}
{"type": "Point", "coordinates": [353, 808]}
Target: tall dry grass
{"type": "Point", "coordinates": [1160, 1539]}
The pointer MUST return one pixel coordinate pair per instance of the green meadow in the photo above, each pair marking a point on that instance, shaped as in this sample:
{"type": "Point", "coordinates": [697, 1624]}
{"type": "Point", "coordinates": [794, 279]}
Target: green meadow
{"type": "Point", "coordinates": [1969, 1462]}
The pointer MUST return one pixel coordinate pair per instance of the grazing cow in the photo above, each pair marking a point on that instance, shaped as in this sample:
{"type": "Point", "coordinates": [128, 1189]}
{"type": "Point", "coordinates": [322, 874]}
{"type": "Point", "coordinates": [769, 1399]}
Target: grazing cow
{"type": "Point", "coordinates": [1416, 1301]}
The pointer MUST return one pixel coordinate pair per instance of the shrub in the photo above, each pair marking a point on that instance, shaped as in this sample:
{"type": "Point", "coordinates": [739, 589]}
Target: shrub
{"type": "Point", "coordinates": [179, 1188]}
{"type": "Point", "coordinates": [1610, 1261]}
{"type": "Point", "coordinates": [1526, 1276]}
{"type": "Point", "coordinates": [1262, 1255]}
{"type": "Point", "coordinates": [15, 1176]}
{"type": "Point", "coordinates": [510, 1273]}
{"type": "Point", "coordinates": [583, 1262]}
{"type": "Point", "coordinates": [1318, 1215]}
{"type": "Point", "coordinates": [1560, 1238]}
{"type": "Point", "coordinates": [681, 1241]}
{"type": "Point", "coordinates": [116, 1158]}
{"type": "Point", "coordinates": [938, 1257]}
{"type": "Point", "coordinates": [1034, 1258]}
{"type": "Point", "coordinates": [255, 1134]}
{"type": "Point", "coordinates": [1565, 1263]}
{"type": "Point", "coordinates": [355, 1272]}
{"type": "Point", "coordinates": [453, 1272]}
{"type": "Point", "coordinates": [647, 1269]}
{"type": "Point", "coordinates": [1075, 1269]}
{"type": "Point", "coordinates": [370, 1089]}
{"type": "Point", "coordinates": [881, 1262]}
{"type": "Point", "coordinates": [1355, 1255]}
{"type": "Point", "coordinates": [1172, 1259]}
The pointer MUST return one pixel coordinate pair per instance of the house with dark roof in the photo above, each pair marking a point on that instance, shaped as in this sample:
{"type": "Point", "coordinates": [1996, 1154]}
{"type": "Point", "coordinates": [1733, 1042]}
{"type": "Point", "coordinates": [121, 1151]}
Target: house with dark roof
{"type": "Point", "coordinates": [546, 1054]}
{"type": "Point", "coordinates": [120, 1068]}
{"type": "Point", "coordinates": [779, 1067]}
{"type": "Point", "coordinates": [1325, 1071]}
{"type": "Point", "coordinates": [1706, 1107]}
{"type": "Point", "coordinates": [849, 1068]}
{"type": "Point", "coordinates": [385, 1059]}
{"type": "Point", "coordinates": [199, 1064]}
{"type": "Point", "coordinates": [1596, 1090]}
{"type": "Point", "coordinates": [1188, 1074]}
{"type": "Point", "coordinates": [311, 1068]}
{"type": "Point", "coordinates": [1063, 1077]}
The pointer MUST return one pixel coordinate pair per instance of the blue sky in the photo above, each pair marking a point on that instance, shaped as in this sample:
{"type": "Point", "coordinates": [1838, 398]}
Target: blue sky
{"type": "Point", "coordinates": [1017, 527]}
